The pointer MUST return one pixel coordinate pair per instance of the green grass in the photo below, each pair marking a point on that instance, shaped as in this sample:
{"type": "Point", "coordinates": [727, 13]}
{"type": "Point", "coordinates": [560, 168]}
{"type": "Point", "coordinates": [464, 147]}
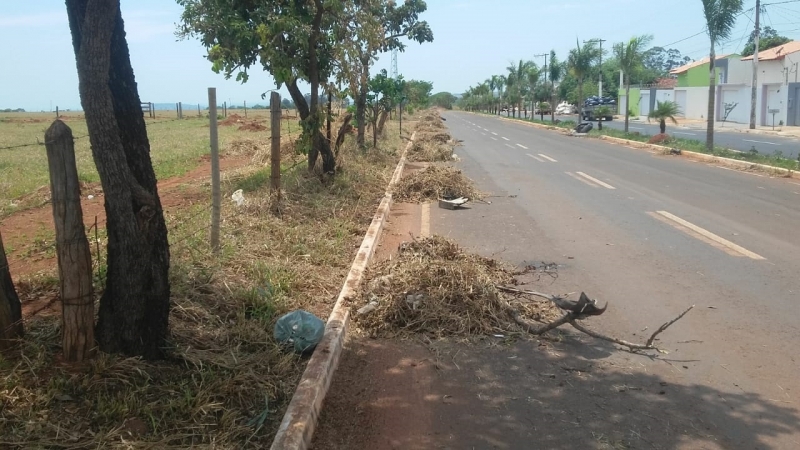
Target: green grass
{"type": "Point", "coordinates": [776, 159]}
{"type": "Point", "coordinates": [175, 148]}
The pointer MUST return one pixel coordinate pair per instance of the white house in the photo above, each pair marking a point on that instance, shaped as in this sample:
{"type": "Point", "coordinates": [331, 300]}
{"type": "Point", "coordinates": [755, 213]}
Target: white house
{"type": "Point", "coordinates": [778, 87]}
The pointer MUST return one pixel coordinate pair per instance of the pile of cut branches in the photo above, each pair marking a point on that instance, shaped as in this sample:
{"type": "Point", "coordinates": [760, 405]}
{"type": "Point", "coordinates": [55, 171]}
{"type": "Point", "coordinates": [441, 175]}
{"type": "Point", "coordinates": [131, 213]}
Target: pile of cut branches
{"type": "Point", "coordinates": [433, 183]}
{"type": "Point", "coordinates": [434, 287]}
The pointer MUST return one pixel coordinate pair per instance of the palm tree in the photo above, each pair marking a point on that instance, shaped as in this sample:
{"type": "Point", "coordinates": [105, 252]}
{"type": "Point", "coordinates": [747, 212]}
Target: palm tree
{"type": "Point", "coordinates": [662, 112]}
{"type": "Point", "coordinates": [630, 56]}
{"type": "Point", "coordinates": [532, 79]}
{"type": "Point", "coordinates": [501, 84]}
{"type": "Point", "coordinates": [720, 19]}
{"type": "Point", "coordinates": [580, 63]}
{"type": "Point", "coordinates": [492, 83]}
{"type": "Point", "coordinates": [517, 83]}
{"type": "Point", "coordinates": [556, 70]}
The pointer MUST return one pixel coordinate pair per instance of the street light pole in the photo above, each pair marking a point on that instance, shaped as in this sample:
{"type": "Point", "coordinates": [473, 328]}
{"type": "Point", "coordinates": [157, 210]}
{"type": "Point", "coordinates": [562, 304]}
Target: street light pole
{"type": "Point", "coordinates": [600, 83]}
{"type": "Point", "coordinates": [541, 113]}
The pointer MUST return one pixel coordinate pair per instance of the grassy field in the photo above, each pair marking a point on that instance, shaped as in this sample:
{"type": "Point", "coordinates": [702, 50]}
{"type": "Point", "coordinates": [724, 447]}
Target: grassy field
{"type": "Point", "coordinates": [176, 146]}
{"type": "Point", "coordinates": [227, 382]}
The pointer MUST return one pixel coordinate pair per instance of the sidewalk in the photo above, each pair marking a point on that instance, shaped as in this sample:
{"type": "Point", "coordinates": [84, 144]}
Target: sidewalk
{"type": "Point", "coordinates": [700, 124]}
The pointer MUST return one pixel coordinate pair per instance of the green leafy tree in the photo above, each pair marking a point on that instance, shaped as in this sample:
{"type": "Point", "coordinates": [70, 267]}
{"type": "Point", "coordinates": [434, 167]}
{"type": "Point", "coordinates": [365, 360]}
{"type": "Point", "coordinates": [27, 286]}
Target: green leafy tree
{"type": "Point", "coordinates": [384, 94]}
{"type": "Point", "coordinates": [517, 84]}
{"type": "Point", "coordinates": [532, 76]}
{"type": "Point", "coordinates": [720, 18]}
{"type": "Point", "coordinates": [443, 100]}
{"type": "Point", "coordinates": [291, 40]}
{"type": "Point", "coordinates": [664, 111]}
{"type": "Point", "coordinates": [630, 57]}
{"type": "Point", "coordinates": [418, 93]}
{"type": "Point", "coordinates": [580, 62]}
{"type": "Point", "coordinates": [769, 38]}
{"type": "Point", "coordinates": [367, 28]}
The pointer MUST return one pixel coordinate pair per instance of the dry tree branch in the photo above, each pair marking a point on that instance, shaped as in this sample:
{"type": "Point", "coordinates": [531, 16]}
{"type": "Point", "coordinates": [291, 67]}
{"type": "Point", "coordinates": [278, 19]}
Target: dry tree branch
{"type": "Point", "coordinates": [571, 317]}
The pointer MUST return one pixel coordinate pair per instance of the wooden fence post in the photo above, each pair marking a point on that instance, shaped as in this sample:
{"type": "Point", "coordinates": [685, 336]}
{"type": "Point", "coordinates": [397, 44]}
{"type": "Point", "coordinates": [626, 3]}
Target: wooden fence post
{"type": "Point", "coordinates": [10, 307]}
{"type": "Point", "coordinates": [216, 199]}
{"type": "Point", "coordinates": [275, 152]}
{"type": "Point", "coordinates": [245, 109]}
{"type": "Point", "coordinates": [72, 247]}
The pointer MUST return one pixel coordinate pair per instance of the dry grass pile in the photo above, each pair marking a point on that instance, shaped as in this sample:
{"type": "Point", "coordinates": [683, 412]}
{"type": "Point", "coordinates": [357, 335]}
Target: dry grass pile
{"type": "Point", "coordinates": [430, 121]}
{"type": "Point", "coordinates": [433, 183]}
{"type": "Point", "coordinates": [227, 382]}
{"type": "Point", "coordinates": [429, 151]}
{"type": "Point", "coordinates": [436, 288]}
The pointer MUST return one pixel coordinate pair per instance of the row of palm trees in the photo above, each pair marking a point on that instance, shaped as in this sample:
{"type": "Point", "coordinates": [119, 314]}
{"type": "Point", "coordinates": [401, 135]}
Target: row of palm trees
{"type": "Point", "coordinates": [526, 82]}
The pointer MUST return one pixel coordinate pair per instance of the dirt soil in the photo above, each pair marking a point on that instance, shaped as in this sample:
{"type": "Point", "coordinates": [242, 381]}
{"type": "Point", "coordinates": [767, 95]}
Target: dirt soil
{"type": "Point", "coordinates": [20, 230]}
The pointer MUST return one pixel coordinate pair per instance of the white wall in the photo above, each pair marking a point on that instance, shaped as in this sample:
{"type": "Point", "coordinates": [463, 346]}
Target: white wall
{"type": "Point", "coordinates": [735, 94]}
{"type": "Point", "coordinates": [696, 106]}
{"type": "Point", "coordinates": [740, 72]}
{"type": "Point", "coordinates": [644, 103]}
{"type": "Point", "coordinates": [680, 99]}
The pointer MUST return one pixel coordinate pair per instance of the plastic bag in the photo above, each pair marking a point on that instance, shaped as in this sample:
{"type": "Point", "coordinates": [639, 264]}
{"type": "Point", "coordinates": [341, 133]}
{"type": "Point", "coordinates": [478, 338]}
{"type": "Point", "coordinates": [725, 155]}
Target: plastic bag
{"type": "Point", "coordinates": [299, 329]}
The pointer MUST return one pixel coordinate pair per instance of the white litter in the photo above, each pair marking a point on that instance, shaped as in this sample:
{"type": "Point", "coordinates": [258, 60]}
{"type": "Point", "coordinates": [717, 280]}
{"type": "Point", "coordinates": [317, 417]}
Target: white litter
{"type": "Point", "coordinates": [238, 197]}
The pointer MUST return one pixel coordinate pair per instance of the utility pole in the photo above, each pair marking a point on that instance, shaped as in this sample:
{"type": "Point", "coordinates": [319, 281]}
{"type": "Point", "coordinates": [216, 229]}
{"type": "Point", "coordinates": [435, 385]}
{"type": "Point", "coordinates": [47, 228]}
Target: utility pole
{"type": "Point", "coordinates": [754, 92]}
{"type": "Point", "coordinates": [545, 83]}
{"type": "Point", "coordinates": [600, 83]}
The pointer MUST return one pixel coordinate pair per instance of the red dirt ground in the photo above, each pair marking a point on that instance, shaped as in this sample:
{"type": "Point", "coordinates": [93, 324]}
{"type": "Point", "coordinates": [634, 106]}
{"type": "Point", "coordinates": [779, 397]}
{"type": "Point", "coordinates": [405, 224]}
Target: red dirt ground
{"type": "Point", "coordinates": [25, 256]}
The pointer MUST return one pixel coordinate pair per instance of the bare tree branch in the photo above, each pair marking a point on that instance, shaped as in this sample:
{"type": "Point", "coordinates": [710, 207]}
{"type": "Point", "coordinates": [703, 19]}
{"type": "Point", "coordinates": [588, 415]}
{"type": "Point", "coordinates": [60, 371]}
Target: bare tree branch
{"type": "Point", "coordinates": [666, 325]}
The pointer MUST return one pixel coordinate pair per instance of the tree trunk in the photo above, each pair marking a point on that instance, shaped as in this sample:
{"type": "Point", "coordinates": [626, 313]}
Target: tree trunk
{"type": "Point", "coordinates": [330, 113]}
{"type": "Point", "coordinates": [712, 82]}
{"type": "Point", "coordinates": [361, 102]}
{"type": "Point", "coordinates": [134, 309]}
{"type": "Point", "coordinates": [663, 126]}
{"type": "Point", "coordinates": [382, 121]}
{"type": "Point", "coordinates": [10, 308]}
{"type": "Point", "coordinates": [580, 95]}
{"type": "Point", "coordinates": [627, 100]}
{"type": "Point", "coordinates": [552, 107]}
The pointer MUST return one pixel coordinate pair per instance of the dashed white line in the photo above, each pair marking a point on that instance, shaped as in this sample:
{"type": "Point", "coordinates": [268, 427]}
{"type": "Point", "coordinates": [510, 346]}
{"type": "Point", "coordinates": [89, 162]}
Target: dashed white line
{"type": "Point", "coordinates": [601, 183]}
{"type": "Point", "coordinates": [535, 157]}
{"type": "Point", "coordinates": [505, 138]}
{"type": "Point", "coordinates": [760, 142]}
{"type": "Point", "coordinates": [547, 157]}
{"type": "Point", "coordinates": [709, 235]}
{"type": "Point", "coordinates": [683, 132]}
{"type": "Point", "coordinates": [522, 146]}
{"type": "Point", "coordinates": [584, 181]}
{"type": "Point", "coordinates": [494, 138]}
{"type": "Point", "coordinates": [494, 133]}
{"type": "Point", "coordinates": [635, 128]}
{"type": "Point", "coordinates": [483, 134]}
{"type": "Point", "coordinates": [510, 146]}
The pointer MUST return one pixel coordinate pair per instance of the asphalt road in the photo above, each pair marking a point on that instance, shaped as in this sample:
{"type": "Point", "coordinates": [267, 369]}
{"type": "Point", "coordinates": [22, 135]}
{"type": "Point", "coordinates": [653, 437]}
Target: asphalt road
{"type": "Point", "coordinates": [653, 235]}
{"type": "Point", "coordinates": [765, 143]}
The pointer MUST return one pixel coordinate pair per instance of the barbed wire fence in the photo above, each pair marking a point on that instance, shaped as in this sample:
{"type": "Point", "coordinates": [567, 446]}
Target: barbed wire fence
{"type": "Point", "coordinates": [39, 256]}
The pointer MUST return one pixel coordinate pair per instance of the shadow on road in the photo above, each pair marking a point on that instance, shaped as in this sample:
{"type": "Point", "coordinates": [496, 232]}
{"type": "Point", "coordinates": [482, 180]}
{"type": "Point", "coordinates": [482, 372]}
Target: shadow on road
{"type": "Point", "coordinates": [534, 394]}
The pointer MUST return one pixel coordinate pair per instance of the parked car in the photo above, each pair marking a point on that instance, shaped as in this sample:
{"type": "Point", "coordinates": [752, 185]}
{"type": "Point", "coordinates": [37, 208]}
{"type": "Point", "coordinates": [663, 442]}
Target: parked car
{"type": "Point", "coordinates": [593, 103]}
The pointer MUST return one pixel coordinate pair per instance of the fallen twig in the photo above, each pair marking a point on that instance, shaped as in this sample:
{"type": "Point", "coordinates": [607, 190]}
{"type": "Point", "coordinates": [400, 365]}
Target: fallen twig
{"type": "Point", "coordinates": [666, 325]}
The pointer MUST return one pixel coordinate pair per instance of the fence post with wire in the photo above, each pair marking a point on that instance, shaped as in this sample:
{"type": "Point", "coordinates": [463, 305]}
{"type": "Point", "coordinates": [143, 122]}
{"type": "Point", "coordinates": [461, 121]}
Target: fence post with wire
{"type": "Point", "coordinates": [72, 247]}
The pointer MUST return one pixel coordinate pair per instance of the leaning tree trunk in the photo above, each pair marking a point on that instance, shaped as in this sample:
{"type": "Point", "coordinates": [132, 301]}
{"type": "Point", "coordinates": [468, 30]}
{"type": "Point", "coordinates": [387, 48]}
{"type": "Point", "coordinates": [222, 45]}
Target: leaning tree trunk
{"type": "Point", "coordinates": [10, 307]}
{"type": "Point", "coordinates": [134, 309]}
{"type": "Point", "coordinates": [712, 82]}
{"type": "Point", "coordinates": [382, 121]}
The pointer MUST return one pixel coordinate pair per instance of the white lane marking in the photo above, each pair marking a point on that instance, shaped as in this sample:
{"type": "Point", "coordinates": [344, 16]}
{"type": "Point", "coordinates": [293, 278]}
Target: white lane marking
{"type": "Point", "coordinates": [547, 157]}
{"type": "Point", "coordinates": [760, 187]}
{"type": "Point", "coordinates": [494, 133]}
{"type": "Point", "coordinates": [510, 146]}
{"type": "Point", "coordinates": [739, 171]}
{"type": "Point", "coordinates": [798, 193]}
{"type": "Point", "coordinates": [485, 133]}
{"type": "Point", "coordinates": [582, 180]}
{"type": "Point", "coordinates": [601, 183]}
{"type": "Point", "coordinates": [535, 157]}
{"type": "Point", "coordinates": [505, 138]}
{"type": "Point", "coordinates": [760, 142]}
{"type": "Point", "coordinates": [792, 182]}
{"type": "Point", "coordinates": [709, 235]}
{"type": "Point", "coordinates": [635, 128]}
{"type": "Point", "coordinates": [425, 225]}
{"type": "Point", "coordinates": [522, 146]}
{"type": "Point", "coordinates": [494, 138]}
{"type": "Point", "coordinates": [683, 132]}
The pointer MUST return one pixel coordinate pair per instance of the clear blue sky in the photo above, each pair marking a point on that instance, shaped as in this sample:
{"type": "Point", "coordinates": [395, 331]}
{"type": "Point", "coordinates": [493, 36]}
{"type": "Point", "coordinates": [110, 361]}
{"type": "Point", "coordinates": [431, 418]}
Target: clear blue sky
{"type": "Point", "coordinates": [473, 40]}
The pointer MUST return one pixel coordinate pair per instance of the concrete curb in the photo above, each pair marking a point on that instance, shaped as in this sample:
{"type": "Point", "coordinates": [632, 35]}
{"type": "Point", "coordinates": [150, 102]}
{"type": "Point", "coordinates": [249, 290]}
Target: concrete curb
{"type": "Point", "coordinates": [777, 171]}
{"type": "Point", "coordinates": [300, 420]}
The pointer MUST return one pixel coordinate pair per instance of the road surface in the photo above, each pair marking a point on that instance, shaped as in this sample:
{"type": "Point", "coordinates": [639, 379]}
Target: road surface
{"type": "Point", "coordinates": [651, 235]}
{"type": "Point", "coordinates": [766, 144]}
